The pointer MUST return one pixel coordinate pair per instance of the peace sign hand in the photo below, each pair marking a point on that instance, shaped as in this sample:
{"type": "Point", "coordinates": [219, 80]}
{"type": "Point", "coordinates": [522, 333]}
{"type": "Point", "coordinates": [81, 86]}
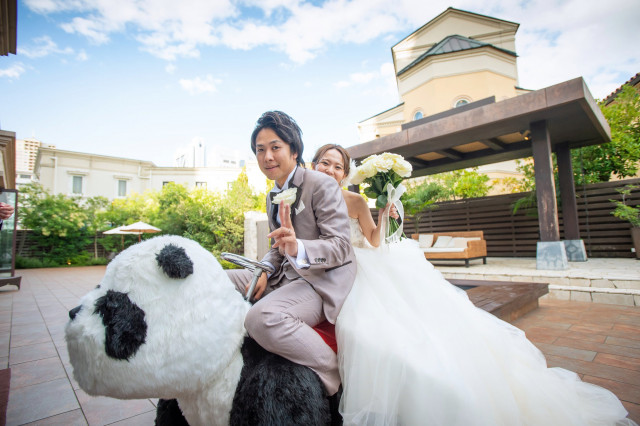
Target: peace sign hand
{"type": "Point", "coordinates": [285, 236]}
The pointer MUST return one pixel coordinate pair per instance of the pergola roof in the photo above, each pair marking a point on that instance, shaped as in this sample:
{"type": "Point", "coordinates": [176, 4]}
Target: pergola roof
{"type": "Point", "coordinates": [494, 132]}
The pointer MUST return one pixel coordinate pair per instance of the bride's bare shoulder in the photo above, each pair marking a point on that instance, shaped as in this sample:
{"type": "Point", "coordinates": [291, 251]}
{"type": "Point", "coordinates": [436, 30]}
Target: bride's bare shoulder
{"type": "Point", "coordinates": [355, 203]}
{"type": "Point", "coordinates": [353, 197]}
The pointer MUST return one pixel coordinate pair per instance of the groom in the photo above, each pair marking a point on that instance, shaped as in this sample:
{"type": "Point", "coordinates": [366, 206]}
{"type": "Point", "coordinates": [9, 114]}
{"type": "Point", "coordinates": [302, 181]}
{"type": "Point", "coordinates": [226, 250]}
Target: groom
{"type": "Point", "coordinates": [311, 253]}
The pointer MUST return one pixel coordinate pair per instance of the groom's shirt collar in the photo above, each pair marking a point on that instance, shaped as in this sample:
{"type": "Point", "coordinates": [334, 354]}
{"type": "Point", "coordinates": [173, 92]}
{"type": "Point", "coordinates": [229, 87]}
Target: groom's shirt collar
{"type": "Point", "coordinates": [275, 188]}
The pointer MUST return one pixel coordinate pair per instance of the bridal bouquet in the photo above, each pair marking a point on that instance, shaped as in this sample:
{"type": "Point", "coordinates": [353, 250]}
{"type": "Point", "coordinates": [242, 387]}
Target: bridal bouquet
{"type": "Point", "coordinates": [384, 173]}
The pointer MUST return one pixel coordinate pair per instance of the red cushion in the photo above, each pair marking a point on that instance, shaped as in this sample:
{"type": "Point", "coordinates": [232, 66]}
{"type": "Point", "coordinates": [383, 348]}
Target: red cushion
{"type": "Point", "coordinates": [327, 331]}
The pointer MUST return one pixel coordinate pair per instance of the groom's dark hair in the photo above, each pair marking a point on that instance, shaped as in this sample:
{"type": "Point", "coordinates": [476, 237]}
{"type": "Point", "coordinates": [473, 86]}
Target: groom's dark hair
{"type": "Point", "coordinates": [285, 127]}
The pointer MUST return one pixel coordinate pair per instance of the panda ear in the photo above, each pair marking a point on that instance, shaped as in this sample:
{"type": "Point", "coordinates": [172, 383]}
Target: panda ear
{"type": "Point", "coordinates": [125, 327]}
{"type": "Point", "coordinates": [174, 261]}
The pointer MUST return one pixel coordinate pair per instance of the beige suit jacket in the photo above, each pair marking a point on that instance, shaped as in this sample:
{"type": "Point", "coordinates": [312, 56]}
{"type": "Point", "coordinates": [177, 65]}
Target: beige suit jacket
{"type": "Point", "coordinates": [320, 220]}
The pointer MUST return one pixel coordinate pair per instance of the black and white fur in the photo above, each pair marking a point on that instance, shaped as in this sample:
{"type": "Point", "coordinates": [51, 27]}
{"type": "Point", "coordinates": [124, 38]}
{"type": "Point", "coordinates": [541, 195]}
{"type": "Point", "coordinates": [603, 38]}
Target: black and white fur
{"type": "Point", "coordinates": [166, 322]}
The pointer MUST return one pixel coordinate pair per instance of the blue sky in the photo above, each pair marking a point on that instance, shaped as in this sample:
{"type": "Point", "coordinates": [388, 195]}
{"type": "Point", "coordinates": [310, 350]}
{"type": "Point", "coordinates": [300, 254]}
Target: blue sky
{"type": "Point", "coordinates": [141, 78]}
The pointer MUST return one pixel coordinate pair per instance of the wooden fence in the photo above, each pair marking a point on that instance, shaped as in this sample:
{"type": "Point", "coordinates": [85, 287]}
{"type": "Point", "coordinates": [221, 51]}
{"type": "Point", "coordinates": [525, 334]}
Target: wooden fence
{"type": "Point", "coordinates": [516, 235]}
{"type": "Point", "coordinates": [507, 234]}
{"type": "Point", "coordinates": [26, 247]}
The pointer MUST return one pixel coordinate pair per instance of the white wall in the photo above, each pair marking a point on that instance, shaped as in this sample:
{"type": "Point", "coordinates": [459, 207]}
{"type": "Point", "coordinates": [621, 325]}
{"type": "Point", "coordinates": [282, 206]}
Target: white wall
{"type": "Point", "coordinates": [100, 174]}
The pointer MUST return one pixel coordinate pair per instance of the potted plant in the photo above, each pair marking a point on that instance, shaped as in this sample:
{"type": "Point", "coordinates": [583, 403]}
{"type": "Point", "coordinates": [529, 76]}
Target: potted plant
{"type": "Point", "coordinates": [629, 213]}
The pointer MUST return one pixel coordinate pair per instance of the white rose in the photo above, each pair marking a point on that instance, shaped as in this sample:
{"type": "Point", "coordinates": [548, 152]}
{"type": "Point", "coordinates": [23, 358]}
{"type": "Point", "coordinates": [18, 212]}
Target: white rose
{"type": "Point", "coordinates": [288, 196]}
{"type": "Point", "coordinates": [368, 159]}
{"type": "Point", "coordinates": [402, 168]}
{"type": "Point", "coordinates": [383, 164]}
{"type": "Point", "coordinates": [358, 176]}
{"type": "Point", "coordinates": [356, 179]}
{"type": "Point", "coordinates": [364, 171]}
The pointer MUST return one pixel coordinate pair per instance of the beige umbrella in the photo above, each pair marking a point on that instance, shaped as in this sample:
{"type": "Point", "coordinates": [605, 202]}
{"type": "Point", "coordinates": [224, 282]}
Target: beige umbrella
{"type": "Point", "coordinates": [140, 228]}
{"type": "Point", "coordinates": [119, 231]}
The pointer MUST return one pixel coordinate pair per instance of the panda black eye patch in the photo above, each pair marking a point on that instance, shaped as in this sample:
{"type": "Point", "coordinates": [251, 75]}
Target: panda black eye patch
{"type": "Point", "coordinates": [125, 326]}
{"type": "Point", "coordinates": [174, 261]}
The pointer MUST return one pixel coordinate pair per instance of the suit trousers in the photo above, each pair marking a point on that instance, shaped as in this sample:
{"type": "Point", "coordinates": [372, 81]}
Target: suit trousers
{"type": "Point", "coordinates": [282, 320]}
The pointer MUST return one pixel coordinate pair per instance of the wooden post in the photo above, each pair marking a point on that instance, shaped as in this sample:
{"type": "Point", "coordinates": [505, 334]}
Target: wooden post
{"type": "Point", "coordinates": [545, 187]}
{"type": "Point", "coordinates": [567, 193]}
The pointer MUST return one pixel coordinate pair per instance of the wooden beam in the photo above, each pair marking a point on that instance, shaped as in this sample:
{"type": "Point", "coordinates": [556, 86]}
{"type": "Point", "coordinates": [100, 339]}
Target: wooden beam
{"type": "Point", "coordinates": [545, 186]}
{"type": "Point", "coordinates": [449, 153]}
{"type": "Point", "coordinates": [415, 161]}
{"type": "Point", "coordinates": [513, 151]}
{"type": "Point", "coordinates": [494, 144]}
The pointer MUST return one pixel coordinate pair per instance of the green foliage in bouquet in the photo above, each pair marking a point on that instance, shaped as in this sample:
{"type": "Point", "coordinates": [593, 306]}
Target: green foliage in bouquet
{"type": "Point", "coordinates": [377, 188]}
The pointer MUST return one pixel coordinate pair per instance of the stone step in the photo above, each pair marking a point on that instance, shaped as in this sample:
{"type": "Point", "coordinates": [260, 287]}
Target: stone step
{"type": "Point", "coordinates": [584, 289]}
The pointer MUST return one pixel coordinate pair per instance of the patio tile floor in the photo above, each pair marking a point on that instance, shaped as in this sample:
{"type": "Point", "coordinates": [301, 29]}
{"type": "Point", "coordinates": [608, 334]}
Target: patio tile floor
{"type": "Point", "coordinates": [600, 342]}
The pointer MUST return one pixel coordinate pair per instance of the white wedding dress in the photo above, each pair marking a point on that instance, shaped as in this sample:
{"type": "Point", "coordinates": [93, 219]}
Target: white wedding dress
{"type": "Point", "coordinates": [414, 350]}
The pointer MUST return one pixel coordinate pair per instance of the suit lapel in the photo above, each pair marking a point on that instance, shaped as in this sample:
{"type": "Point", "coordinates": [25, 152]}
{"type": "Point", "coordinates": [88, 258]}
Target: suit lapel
{"type": "Point", "coordinates": [296, 182]}
{"type": "Point", "coordinates": [272, 209]}
{"type": "Point", "coordinates": [274, 213]}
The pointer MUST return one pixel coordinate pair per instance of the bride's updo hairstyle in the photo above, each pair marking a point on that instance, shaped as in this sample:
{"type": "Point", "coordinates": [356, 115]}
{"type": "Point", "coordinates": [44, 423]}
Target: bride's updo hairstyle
{"type": "Point", "coordinates": [285, 127]}
{"type": "Point", "coordinates": [346, 159]}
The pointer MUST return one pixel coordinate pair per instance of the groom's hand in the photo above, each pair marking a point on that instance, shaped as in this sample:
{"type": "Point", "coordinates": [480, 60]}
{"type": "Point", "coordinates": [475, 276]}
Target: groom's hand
{"type": "Point", "coordinates": [260, 287]}
{"type": "Point", "coordinates": [285, 236]}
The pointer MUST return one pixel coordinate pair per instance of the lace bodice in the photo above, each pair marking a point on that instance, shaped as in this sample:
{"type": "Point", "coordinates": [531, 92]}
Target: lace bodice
{"type": "Point", "coordinates": [357, 237]}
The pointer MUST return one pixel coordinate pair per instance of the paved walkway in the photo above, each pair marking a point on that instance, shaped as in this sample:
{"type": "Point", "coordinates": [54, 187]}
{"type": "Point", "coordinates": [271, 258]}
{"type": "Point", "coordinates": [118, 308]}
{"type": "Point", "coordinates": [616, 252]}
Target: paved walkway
{"type": "Point", "coordinates": [601, 342]}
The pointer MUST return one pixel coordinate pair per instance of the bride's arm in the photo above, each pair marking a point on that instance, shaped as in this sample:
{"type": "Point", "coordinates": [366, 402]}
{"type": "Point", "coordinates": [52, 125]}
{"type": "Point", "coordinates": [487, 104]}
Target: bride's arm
{"type": "Point", "coordinates": [369, 228]}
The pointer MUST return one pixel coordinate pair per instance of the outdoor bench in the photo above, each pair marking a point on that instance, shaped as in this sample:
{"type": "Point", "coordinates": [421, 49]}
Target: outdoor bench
{"type": "Point", "coordinates": [461, 245]}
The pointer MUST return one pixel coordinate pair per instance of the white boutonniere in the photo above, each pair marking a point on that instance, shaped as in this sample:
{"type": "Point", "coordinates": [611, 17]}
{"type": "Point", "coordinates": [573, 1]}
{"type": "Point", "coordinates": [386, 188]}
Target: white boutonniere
{"type": "Point", "coordinates": [288, 196]}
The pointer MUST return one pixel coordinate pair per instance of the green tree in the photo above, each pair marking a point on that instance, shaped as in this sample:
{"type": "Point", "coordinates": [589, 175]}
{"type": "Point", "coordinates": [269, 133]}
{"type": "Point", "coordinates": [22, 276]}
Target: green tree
{"type": "Point", "coordinates": [135, 207]}
{"type": "Point", "coordinates": [217, 221]}
{"type": "Point", "coordinates": [58, 223]}
{"type": "Point", "coordinates": [598, 163]}
{"type": "Point", "coordinates": [466, 183]}
{"type": "Point", "coordinates": [241, 196]}
{"type": "Point", "coordinates": [201, 218]}
{"type": "Point", "coordinates": [95, 209]}
{"type": "Point", "coordinates": [421, 198]}
{"type": "Point", "coordinates": [169, 213]}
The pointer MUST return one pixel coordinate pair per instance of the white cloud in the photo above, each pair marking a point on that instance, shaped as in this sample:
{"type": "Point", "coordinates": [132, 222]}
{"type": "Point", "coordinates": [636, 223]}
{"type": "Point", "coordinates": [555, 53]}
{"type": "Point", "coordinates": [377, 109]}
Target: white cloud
{"type": "Point", "coordinates": [560, 40]}
{"type": "Point", "coordinates": [43, 46]}
{"type": "Point", "coordinates": [53, 6]}
{"type": "Point", "coordinates": [82, 55]}
{"type": "Point", "coordinates": [381, 80]}
{"type": "Point", "coordinates": [557, 39]}
{"type": "Point", "coordinates": [361, 78]}
{"type": "Point", "coordinates": [165, 28]}
{"type": "Point", "coordinates": [199, 85]}
{"type": "Point", "coordinates": [94, 30]}
{"type": "Point", "coordinates": [14, 71]}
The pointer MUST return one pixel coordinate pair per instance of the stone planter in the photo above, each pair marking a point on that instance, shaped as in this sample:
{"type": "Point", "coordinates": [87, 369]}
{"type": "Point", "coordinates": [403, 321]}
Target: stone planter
{"type": "Point", "coordinates": [635, 236]}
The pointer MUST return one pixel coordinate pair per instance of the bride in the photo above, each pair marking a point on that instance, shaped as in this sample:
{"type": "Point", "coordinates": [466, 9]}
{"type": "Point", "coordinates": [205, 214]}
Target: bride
{"type": "Point", "coordinates": [413, 350]}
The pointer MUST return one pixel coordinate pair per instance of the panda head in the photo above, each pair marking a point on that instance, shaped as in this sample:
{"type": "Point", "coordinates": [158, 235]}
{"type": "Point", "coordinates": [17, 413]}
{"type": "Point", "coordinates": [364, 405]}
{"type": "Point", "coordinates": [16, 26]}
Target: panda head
{"type": "Point", "coordinates": [164, 318]}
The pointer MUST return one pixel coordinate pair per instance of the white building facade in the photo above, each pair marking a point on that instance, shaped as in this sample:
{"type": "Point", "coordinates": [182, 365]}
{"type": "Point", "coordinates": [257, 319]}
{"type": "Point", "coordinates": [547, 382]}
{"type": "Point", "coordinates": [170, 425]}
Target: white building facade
{"type": "Point", "coordinates": [26, 154]}
{"type": "Point", "coordinates": [90, 175]}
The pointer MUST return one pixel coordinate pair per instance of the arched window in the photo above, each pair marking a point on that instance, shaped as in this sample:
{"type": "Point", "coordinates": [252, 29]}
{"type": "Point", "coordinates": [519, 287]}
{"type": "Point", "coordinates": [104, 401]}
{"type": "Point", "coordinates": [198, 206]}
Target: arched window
{"type": "Point", "coordinates": [461, 102]}
{"type": "Point", "coordinates": [418, 115]}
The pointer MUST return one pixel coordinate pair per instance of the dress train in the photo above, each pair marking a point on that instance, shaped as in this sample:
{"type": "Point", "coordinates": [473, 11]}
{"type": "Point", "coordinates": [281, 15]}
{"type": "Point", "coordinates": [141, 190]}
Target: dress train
{"type": "Point", "coordinates": [413, 350]}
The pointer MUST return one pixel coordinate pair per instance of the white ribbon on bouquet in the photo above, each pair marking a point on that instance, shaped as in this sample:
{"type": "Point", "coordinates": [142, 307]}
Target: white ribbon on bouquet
{"type": "Point", "coordinates": [393, 198]}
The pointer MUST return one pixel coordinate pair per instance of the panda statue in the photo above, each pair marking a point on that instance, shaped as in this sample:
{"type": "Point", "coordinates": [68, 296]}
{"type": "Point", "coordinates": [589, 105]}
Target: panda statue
{"type": "Point", "coordinates": [166, 322]}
